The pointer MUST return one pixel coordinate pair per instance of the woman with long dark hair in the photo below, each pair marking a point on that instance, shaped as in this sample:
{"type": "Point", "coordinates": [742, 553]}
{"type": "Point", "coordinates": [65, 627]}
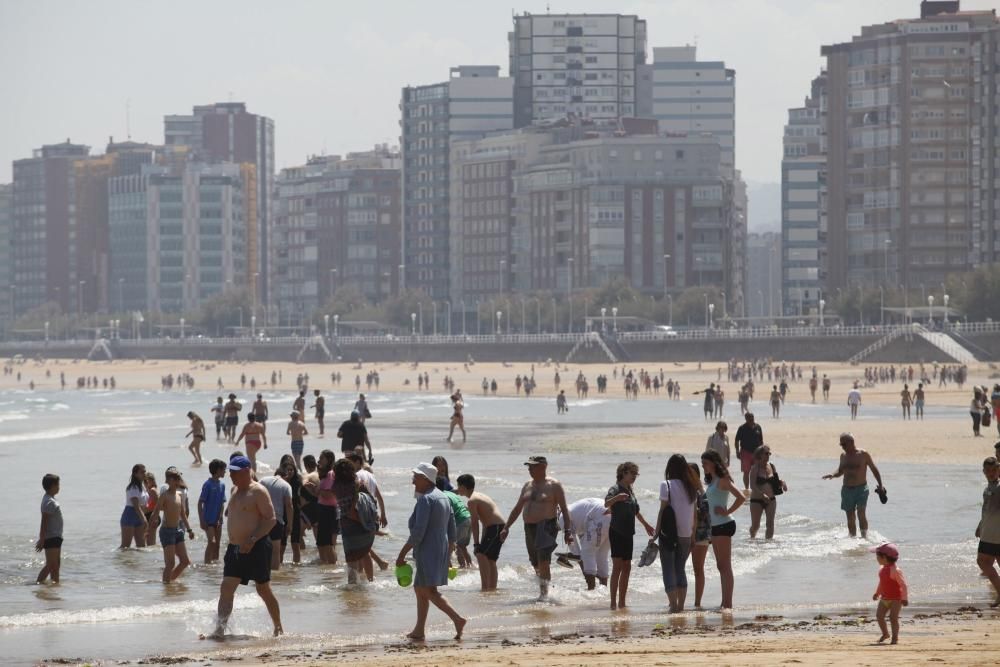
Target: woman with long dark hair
{"type": "Point", "coordinates": [719, 487]}
{"type": "Point", "coordinates": [624, 508]}
{"type": "Point", "coordinates": [133, 522]}
{"type": "Point", "coordinates": [357, 539]}
{"type": "Point", "coordinates": [441, 464]}
{"type": "Point", "coordinates": [328, 525]}
{"type": "Point", "coordinates": [287, 463]}
{"type": "Point", "coordinates": [702, 536]}
{"type": "Point", "coordinates": [678, 493]}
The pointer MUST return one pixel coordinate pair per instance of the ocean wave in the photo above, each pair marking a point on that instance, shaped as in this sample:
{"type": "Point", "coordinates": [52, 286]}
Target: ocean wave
{"type": "Point", "coordinates": [70, 431]}
{"type": "Point", "coordinates": [396, 448]}
{"type": "Point", "coordinates": [13, 416]}
{"type": "Point", "coordinates": [124, 613]}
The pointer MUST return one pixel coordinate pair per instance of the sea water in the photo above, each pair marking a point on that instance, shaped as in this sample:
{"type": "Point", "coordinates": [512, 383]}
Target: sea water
{"type": "Point", "coordinates": [112, 604]}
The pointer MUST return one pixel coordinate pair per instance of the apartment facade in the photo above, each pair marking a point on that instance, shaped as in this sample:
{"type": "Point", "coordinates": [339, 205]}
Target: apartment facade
{"type": "Point", "coordinates": [475, 100]}
{"type": "Point", "coordinates": [338, 224]}
{"type": "Point", "coordinates": [6, 222]}
{"type": "Point", "coordinates": [803, 205]}
{"type": "Point", "coordinates": [911, 149]}
{"type": "Point", "coordinates": [585, 65]}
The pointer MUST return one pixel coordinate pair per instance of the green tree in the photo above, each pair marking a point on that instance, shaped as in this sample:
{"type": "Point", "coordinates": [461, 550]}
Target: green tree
{"type": "Point", "coordinates": [224, 310]}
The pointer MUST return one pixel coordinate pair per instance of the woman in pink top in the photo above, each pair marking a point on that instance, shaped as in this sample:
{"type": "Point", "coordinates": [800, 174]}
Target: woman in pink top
{"type": "Point", "coordinates": [328, 525]}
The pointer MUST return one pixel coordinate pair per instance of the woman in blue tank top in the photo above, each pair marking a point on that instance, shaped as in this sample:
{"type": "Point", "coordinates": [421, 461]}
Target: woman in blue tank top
{"type": "Point", "coordinates": [720, 486]}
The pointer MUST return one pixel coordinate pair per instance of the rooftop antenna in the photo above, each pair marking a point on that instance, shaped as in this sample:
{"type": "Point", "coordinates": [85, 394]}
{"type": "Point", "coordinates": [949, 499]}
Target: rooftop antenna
{"type": "Point", "coordinates": [128, 119]}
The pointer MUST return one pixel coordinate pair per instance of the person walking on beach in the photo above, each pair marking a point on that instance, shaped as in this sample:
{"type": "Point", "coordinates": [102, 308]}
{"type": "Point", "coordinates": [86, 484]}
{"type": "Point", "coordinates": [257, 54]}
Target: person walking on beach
{"type": "Point", "coordinates": [259, 411]}
{"type": "Point", "coordinates": [748, 438]}
{"type": "Point", "coordinates": [988, 530]}
{"type": "Point", "coordinates": [776, 401]}
{"type": "Point", "coordinates": [765, 487]}
{"type": "Point", "coordinates": [457, 416]}
{"type": "Point", "coordinates": [172, 528]}
{"type": "Point", "coordinates": [218, 413]}
{"type": "Point", "coordinates": [918, 400]}
{"type": "Point", "coordinates": [719, 442]}
{"type": "Point", "coordinates": [248, 555]}
{"type": "Point", "coordinates": [232, 412]}
{"type": "Point", "coordinates": [255, 436]}
{"type": "Point", "coordinates": [133, 521]}
{"type": "Point", "coordinates": [709, 405]}
{"type": "Point", "coordinates": [197, 434]}
{"type": "Point", "coordinates": [854, 465]}
{"type": "Point", "coordinates": [361, 405]}
{"type": "Point", "coordinates": [211, 503]}
{"type": "Point", "coordinates": [854, 401]}
{"type": "Point", "coordinates": [320, 406]}
{"type": "Point", "coordinates": [624, 507]}
{"type": "Point", "coordinates": [679, 495]}
{"type": "Point", "coordinates": [486, 522]}
{"type": "Point", "coordinates": [976, 408]}
{"type": "Point", "coordinates": [297, 430]}
{"type": "Point", "coordinates": [328, 524]}
{"type": "Point", "coordinates": [299, 404]}
{"type": "Point", "coordinates": [50, 532]}
{"type": "Point", "coordinates": [719, 487]}
{"type": "Point", "coordinates": [905, 400]}
{"type": "Point", "coordinates": [561, 407]}
{"type": "Point", "coordinates": [891, 593]}
{"type": "Point", "coordinates": [432, 530]}
{"type": "Point", "coordinates": [354, 433]}
{"type": "Point", "coordinates": [539, 500]}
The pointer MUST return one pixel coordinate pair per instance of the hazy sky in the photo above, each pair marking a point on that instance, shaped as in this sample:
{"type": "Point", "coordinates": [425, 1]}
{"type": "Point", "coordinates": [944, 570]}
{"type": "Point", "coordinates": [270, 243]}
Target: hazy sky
{"type": "Point", "coordinates": [329, 72]}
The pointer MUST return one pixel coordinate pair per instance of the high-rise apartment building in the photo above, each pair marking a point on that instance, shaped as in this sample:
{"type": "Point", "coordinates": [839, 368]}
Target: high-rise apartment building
{"type": "Point", "coordinates": [338, 224]}
{"type": "Point", "coordinates": [803, 205]}
{"type": "Point", "coordinates": [763, 291]}
{"type": "Point", "coordinates": [227, 132]}
{"type": "Point", "coordinates": [6, 221]}
{"type": "Point", "coordinates": [690, 96]}
{"type": "Point", "coordinates": [584, 65]}
{"type": "Point", "coordinates": [912, 140]}
{"type": "Point", "coordinates": [475, 100]}
{"type": "Point", "coordinates": [45, 264]}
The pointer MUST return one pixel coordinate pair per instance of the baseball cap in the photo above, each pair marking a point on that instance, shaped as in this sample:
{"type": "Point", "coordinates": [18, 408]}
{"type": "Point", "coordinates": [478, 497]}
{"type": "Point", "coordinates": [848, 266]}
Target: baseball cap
{"type": "Point", "coordinates": [239, 463]}
{"type": "Point", "coordinates": [427, 470]}
{"type": "Point", "coordinates": [887, 549]}
{"type": "Point", "coordinates": [536, 461]}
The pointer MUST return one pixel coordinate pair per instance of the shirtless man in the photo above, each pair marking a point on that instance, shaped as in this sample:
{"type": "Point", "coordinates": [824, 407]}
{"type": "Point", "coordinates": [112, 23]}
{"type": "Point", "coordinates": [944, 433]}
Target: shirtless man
{"type": "Point", "coordinates": [255, 435]}
{"type": "Point", "coordinates": [854, 465]}
{"type": "Point", "coordinates": [172, 527]}
{"type": "Point", "coordinates": [320, 406]}
{"type": "Point", "coordinates": [485, 539]}
{"type": "Point", "coordinates": [297, 430]}
{"type": "Point", "coordinates": [248, 556]}
{"type": "Point", "coordinates": [197, 434]}
{"type": "Point", "coordinates": [457, 418]}
{"type": "Point", "coordinates": [300, 403]}
{"type": "Point", "coordinates": [232, 412]}
{"type": "Point", "coordinates": [259, 411]}
{"type": "Point", "coordinates": [539, 500]}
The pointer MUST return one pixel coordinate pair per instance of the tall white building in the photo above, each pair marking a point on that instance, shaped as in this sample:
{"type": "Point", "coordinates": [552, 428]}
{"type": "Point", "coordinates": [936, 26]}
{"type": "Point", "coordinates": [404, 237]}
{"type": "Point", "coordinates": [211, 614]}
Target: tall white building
{"type": "Point", "coordinates": [691, 96]}
{"type": "Point", "coordinates": [580, 64]}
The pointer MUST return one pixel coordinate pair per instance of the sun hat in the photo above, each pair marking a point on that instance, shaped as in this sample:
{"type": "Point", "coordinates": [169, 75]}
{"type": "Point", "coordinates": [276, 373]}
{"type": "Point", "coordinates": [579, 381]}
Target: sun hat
{"type": "Point", "coordinates": [426, 470]}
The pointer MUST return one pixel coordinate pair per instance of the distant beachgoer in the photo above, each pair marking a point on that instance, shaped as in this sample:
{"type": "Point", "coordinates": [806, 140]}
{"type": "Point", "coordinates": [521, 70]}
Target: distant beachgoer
{"type": "Point", "coordinates": [854, 465]}
{"type": "Point", "coordinates": [218, 413]}
{"type": "Point", "coordinates": [297, 430]}
{"type": "Point", "coordinates": [776, 401]}
{"type": "Point", "coordinates": [561, 407]}
{"type": "Point", "coordinates": [280, 492]}
{"type": "Point", "coordinates": [211, 503]}
{"type": "Point", "coordinates": [327, 524]}
{"type": "Point", "coordinates": [720, 486]}
{"type": "Point", "coordinates": [50, 531]}
{"type": "Point", "coordinates": [486, 522]}
{"type": "Point", "coordinates": [197, 434]}
{"type": "Point", "coordinates": [749, 437]}
{"type": "Point", "coordinates": [133, 521]}
{"type": "Point", "coordinates": [353, 433]}
{"type": "Point", "coordinates": [905, 400]}
{"type": "Point", "coordinates": [891, 593]}
{"type": "Point", "coordinates": [232, 411]}
{"type": "Point", "coordinates": [988, 530]}
{"type": "Point", "coordinates": [260, 411]}
{"type": "Point", "coordinates": [765, 486]}
{"type": "Point", "coordinates": [299, 404]}
{"type": "Point", "coordinates": [149, 510]}
{"type": "Point", "coordinates": [854, 401]}
{"type": "Point", "coordinates": [679, 493]}
{"type": "Point", "coordinates": [702, 536]}
{"type": "Point", "coordinates": [709, 404]}
{"type": "Point", "coordinates": [361, 405]}
{"type": "Point", "coordinates": [624, 507]}
{"type": "Point", "coordinates": [976, 407]}
{"type": "Point", "coordinates": [457, 415]}
{"type": "Point", "coordinates": [172, 528]}
{"type": "Point", "coordinates": [719, 442]}
{"type": "Point", "coordinates": [826, 388]}
{"type": "Point", "coordinates": [432, 528]}
{"type": "Point", "coordinates": [255, 436]}
{"type": "Point", "coordinates": [248, 556]}
{"type": "Point", "coordinates": [320, 407]}
{"type": "Point", "coordinates": [539, 500]}
{"type": "Point", "coordinates": [995, 403]}
{"type": "Point", "coordinates": [918, 400]}
{"type": "Point", "coordinates": [813, 384]}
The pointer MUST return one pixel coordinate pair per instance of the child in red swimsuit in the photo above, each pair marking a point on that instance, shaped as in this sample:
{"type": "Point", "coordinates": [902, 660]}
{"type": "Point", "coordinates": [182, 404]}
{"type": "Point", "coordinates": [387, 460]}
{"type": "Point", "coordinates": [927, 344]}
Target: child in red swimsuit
{"type": "Point", "coordinates": [891, 592]}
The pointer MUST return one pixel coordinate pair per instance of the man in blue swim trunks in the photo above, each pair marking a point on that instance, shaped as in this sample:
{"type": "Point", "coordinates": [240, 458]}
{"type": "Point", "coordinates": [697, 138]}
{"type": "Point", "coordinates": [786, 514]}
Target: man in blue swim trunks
{"type": "Point", "coordinates": [854, 465]}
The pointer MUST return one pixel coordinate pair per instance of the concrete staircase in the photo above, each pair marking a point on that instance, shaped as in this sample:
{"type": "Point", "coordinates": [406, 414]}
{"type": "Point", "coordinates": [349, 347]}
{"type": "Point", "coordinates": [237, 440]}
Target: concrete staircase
{"type": "Point", "coordinates": [590, 340]}
{"type": "Point", "coordinates": [880, 343]}
{"type": "Point", "coordinates": [948, 345]}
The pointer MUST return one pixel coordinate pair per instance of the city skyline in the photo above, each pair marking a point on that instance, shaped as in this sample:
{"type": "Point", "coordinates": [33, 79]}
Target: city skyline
{"type": "Point", "coordinates": [295, 75]}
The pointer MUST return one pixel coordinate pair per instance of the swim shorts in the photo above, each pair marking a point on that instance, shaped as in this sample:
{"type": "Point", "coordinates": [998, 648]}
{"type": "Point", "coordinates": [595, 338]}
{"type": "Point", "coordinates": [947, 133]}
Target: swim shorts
{"type": "Point", "coordinates": [232, 420]}
{"type": "Point", "coordinates": [727, 529]}
{"type": "Point", "coordinates": [853, 497]}
{"type": "Point", "coordinates": [255, 565]}
{"type": "Point", "coordinates": [989, 548]}
{"type": "Point", "coordinates": [463, 533]}
{"type": "Point", "coordinates": [621, 545]}
{"type": "Point", "coordinates": [490, 542]}
{"type": "Point", "coordinates": [540, 539]}
{"type": "Point", "coordinates": [130, 518]}
{"type": "Point", "coordinates": [746, 460]}
{"type": "Point", "coordinates": [171, 536]}
{"type": "Point", "coordinates": [327, 526]}
{"type": "Point", "coordinates": [297, 447]}
{"type": "Point", "coordinates": [278, 533]}
{"type": "Point", "coordinates": [52, 543]}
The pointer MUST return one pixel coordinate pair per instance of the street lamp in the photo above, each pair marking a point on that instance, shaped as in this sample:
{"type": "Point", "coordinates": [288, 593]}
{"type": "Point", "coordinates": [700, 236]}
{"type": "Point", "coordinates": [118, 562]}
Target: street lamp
{"type": "Point", "coordinates": [822, 305]}
{"type": "Point", "coordinates": [448, 303]}
{"type": "Point", "coordinates": [182, 329]}
{"type": "Point", "coordinates": [930, 309]}
{"type": "Point", "coordinates": [402, 274]}
{"type": "Point", "coordinates": [79, 298]}
{"type": "Point", "coordinates": [420, 316]}
{"type": "Point", "coordinates": [614, 318]}
{"type": "Point", "coordinates": [946, 298]}
{"type": "Point", "coordinates": [706, 309]}
{"type": "Point", "coordinates": [336, 320]}
{"type": "Point", "coordinates": [479, 321]}
{"type": "Point", "coordinates": [670, 309]}
{"type": "Point", "coordinates": [332, 273]}
{"type": "Point", "coordinates": [723, 306]}
{"type": "Point", "coordinates": [569, 293]}
{"type": "Point", "coordinates": [253, 326]}
{"type": "Point", "coordinates": [604, 328]}
{"type": "Point", "coordinates": [523, 331]}
{"type": "Point", "coordinates": [326, 326]}
{"type": "Point", "coordinates": [434, 317]}
{"type": "Point", "coordinates": [538, 315]}
{"type": "Point", "coordinates": [711, 316]}
{"type": "Point", "coordinates": [465, 316]}
{"type": "Point", "coordinates": [413, 324]}
{"type": "Point", "coordinates": [499, 316]}
{"type": "Point", "coordinates": [665, 281]}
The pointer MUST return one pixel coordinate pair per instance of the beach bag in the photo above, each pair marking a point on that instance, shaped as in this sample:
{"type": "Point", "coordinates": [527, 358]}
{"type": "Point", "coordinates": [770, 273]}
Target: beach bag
{"type": "Point", "coordinates": [367, 512]}
{"type": "Point", "coordinates": [986, 417]}
{"type": "Point", "coordinates": [668, 526]}
{"type": "Point", "coordinates": [776, 488]}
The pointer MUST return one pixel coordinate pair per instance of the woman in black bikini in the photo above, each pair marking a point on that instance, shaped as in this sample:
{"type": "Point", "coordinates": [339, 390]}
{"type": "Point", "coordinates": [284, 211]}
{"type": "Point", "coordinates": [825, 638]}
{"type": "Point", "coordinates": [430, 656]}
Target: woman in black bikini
{"type": "Point", "coordinates": [764, 486]}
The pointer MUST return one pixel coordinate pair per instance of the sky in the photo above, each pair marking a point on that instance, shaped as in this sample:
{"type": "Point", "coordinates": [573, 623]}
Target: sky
{"type": "Point", "coordinates": [329, 72]}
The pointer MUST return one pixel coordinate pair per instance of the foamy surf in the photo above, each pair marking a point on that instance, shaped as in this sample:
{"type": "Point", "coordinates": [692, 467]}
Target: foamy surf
{"type": "Point", "coordinates": [124, 613]}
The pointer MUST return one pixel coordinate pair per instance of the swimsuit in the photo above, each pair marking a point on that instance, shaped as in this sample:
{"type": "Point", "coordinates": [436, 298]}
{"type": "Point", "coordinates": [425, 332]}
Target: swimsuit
{"type": "Point", "coordinates": [491, 543]}
{"type": "Point", "coordinates": [854, 497]}
{"type": "Point", "coordinates": [540, 539]}
{"type": "Point", "coordinates": [171, 536]}
{"type": "Point", "coordinates": [297, 447]}
{"type": "Point", "coordinates": [255, 565]}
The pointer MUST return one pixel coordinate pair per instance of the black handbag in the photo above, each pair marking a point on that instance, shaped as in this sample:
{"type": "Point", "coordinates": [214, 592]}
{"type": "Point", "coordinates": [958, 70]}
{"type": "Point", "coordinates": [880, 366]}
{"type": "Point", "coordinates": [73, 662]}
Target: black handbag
{"type": "Point", "coordinates": [776, 487]}
{"type": "Point", "coordinates": [668, 526]}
